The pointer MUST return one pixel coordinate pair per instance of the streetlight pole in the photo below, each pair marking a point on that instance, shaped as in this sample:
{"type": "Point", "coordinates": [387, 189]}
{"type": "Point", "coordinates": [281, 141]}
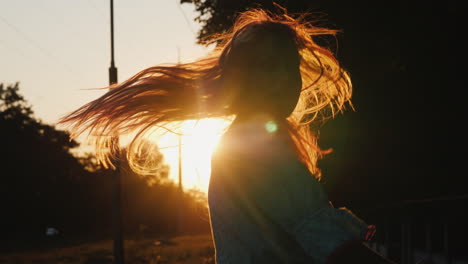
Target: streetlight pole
{"type": "Point", "coordinates": [181, 204]}
{"type": "Point", "coordinates": [180, 162]}
{"type": "Point", "coordinates": [112, 68]}
{"type": "Point", "coordinates": [117, 203]}
{"type": "Point", "coordinates": [180, 191]}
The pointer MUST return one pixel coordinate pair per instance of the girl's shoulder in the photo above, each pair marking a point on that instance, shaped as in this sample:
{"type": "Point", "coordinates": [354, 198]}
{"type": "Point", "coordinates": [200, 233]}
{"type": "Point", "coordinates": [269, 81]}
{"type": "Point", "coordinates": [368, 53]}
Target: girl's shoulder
{"type": "Point", "coordinates": [258, 140]}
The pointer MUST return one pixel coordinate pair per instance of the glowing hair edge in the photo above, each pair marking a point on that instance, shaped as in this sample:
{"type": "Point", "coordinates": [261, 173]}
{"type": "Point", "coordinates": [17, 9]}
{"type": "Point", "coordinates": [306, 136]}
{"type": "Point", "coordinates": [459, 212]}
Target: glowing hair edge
{"type": "Point", "coordinates": [165, 93]}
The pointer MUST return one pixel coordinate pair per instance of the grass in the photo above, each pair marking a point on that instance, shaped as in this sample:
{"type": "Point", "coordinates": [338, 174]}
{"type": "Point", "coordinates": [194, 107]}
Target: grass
{"type": "Point", "coordinates": [196, 249]}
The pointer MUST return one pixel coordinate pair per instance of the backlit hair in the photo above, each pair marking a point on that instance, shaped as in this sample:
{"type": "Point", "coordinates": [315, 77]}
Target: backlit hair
{"type": "Point", "coordinates": [165, 93]}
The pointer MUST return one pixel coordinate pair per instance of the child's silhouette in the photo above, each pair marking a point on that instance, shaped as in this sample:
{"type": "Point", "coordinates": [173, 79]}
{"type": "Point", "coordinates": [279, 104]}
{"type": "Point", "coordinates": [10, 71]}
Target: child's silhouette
{"type": "Point", "coordinates": [265, 199]}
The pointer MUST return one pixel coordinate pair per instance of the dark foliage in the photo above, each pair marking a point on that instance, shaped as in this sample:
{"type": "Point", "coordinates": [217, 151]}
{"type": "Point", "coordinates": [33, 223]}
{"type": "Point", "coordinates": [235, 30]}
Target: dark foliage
{"type": "Point", "coordinates": [154, 205]}
{"type": "Point", "coordinates": [44, 185]}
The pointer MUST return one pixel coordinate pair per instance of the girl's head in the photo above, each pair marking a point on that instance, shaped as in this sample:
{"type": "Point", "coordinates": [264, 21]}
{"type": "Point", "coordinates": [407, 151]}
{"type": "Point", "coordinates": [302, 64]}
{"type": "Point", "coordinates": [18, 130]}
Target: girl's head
{"type": "Point", "coordinates": [266, 63]}
{"type": "Point", "coordinates": [260, 69]}
{"type": "Point", "coordinates": [270, 62]}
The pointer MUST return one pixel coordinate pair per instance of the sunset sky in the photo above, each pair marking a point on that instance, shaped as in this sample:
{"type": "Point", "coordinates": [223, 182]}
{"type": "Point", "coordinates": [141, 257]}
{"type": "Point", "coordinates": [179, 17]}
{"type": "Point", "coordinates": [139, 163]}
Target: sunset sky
{"type": "Point", "coordinates": [57, 48]}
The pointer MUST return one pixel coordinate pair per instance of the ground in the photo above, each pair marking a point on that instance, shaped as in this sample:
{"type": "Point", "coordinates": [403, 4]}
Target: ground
{"type": "Point", "coordinates": [197, 249]}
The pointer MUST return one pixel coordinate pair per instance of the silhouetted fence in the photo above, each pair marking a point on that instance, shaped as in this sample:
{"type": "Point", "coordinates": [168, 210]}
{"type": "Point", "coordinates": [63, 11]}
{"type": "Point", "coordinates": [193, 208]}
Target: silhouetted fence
{"type": "Point", "coordinates": [422, 231]}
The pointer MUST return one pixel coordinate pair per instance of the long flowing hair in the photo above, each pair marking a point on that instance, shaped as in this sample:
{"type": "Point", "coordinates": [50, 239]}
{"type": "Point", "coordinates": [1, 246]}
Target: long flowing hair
{"type": "Point", "coordinates": [162, 94]}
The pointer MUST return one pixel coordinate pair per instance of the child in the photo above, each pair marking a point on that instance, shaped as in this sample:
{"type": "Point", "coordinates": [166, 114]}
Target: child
{"type": "Point", "coordinates": [265, 199]}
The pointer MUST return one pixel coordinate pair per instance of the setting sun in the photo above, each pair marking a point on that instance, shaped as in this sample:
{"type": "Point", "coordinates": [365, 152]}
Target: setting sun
{"type": "Point", "coordinates": [198, 140]}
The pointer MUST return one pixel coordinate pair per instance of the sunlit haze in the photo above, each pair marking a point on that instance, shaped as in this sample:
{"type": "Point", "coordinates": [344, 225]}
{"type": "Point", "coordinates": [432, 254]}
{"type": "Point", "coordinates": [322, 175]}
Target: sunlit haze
{"type": "Point", "coordinates": [197, 144]}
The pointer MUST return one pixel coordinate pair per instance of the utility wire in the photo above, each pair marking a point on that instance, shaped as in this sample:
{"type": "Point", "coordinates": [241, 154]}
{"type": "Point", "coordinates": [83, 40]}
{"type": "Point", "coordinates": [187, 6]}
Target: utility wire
{"type": "Point", "coordinates": [59, 19]}
{"type": "Point", "coordinates": [187, 21]}
{"type": "Point", "coordinates": [39, 47]}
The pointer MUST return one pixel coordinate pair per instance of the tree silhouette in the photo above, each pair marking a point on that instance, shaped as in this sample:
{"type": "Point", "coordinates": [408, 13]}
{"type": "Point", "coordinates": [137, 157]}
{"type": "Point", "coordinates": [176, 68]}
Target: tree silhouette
{"type": "Point", "coordinates": [151, 201]}
{"type": "Point", "coordinates": [44, 185]}
{"type": "Point", "coordinates": [217, 16]}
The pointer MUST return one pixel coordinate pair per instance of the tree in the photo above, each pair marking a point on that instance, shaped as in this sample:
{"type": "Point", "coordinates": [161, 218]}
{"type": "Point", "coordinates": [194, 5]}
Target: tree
{"type": "Point", "coordinates": [39, 174]}
{"type": "Point", "coordinates": [218, 16]}
{"type": "Point", "coordinates": [151, 201]}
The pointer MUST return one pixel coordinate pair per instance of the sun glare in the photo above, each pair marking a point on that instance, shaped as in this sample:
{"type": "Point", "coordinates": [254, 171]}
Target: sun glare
{"type": "Point", "coordinates": [197, 142]}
